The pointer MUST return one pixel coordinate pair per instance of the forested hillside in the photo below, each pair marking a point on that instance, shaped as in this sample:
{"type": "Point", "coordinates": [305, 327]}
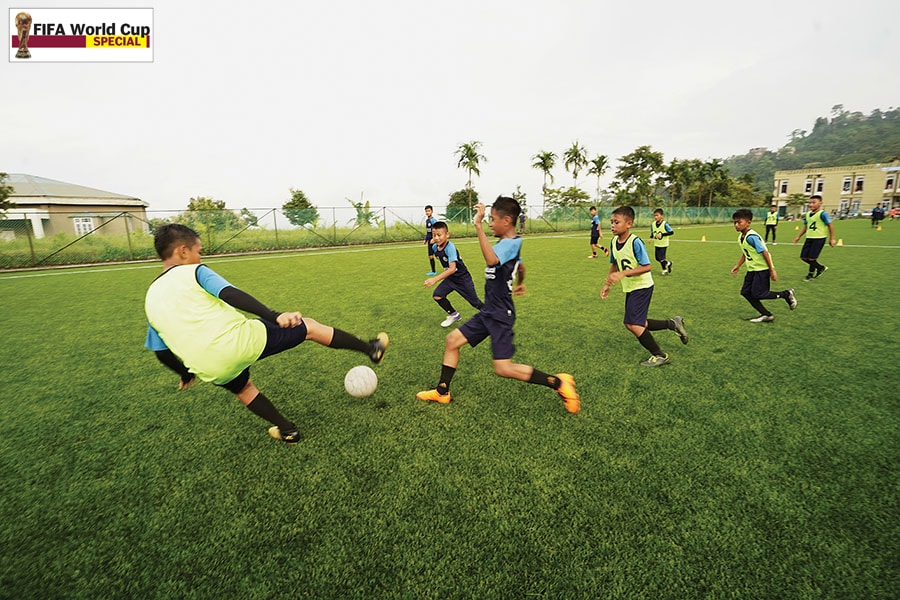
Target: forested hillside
{"type": "Point", "coordinates": [844, 138]}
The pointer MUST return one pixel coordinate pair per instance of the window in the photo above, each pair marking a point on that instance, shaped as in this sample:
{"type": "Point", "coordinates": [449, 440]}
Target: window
{"type": "Point", "coordinates": [807, 187]}
{"type": "Point", "coordinates": [859, 184]}
{"type": "Point", "coordinates": [889, 182]}
{"type": "Point", "coordinates": [845, 189]}
{"type": "Point", "coordinates": [820, 185]}
{"type": "Point", "coordinates": [83, 225]}
{"type": "Point", "coordinates": [783, 191]}
{"type": "Point", "coordinates": [856, 204]}
{"type": "Point", "coordinates": [842, 207]}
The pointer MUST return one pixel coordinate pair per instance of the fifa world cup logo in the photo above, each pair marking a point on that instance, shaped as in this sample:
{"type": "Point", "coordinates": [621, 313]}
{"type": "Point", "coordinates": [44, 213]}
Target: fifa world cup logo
{"type": "Point", "coordinates": [23, 26]}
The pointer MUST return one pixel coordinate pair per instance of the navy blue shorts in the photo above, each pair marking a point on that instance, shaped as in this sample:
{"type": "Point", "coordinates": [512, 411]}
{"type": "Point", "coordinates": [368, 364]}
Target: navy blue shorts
{"type": "Point", "coordinates": [278, 339]}
{"type": "Point", "coordinates": [756, 284]}
{"type": "Point", "coordinates": [637, 305]}
{"type": "Point", "coordinates": [464, 286]}
{"type": "Point", "coordinates": [428, 244]}
{"type": "Point", "coordinates": [595, 237]}
{"type": "Point", "coordinates": [812, 248]}
{"type": "Point", "coordinates": [660, 252]}
{"type": "Point", "coordinates": [482, 326]}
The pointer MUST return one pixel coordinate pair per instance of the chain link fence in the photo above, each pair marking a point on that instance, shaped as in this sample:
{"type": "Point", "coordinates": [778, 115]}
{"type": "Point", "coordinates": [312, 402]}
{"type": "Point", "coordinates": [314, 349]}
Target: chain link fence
{"type": "Point", "coordinates": [127, 236]}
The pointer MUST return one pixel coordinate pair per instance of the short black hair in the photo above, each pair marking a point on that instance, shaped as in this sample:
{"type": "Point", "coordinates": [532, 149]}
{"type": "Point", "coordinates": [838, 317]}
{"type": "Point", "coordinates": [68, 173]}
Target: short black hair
{"type": "Point", "coordinates": [625, 211]}
{"type": "Point", "coordinates": [815, 197]}
{"type": "Point", "coordinates": [593, 208]}
{"type": "Point", "coordinates": [507, 206]}
{"type": "Point", "coordinates": [742, 213]}
{"type": "Point", "coordinates": [440, 225]}
{"type": "Point", "coordinates": [170, 236]}
{"type": "Point", "coordinates": [427, 206]}
{"type": "Point", "coordinates": [659, 210]}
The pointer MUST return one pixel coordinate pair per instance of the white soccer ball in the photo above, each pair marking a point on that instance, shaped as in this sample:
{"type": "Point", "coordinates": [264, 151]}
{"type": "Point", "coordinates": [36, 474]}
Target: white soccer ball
{"type": "Point", "coordinates": [360, 382]}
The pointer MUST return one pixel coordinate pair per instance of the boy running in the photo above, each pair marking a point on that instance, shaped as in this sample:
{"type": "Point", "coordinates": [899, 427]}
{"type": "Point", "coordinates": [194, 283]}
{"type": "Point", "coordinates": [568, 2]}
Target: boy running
{"type": "Point", "coordinates": [496, 318]}
{"type": "Point", "coordinates": [429, 224]}
{"type": "Point", "coordinates": [454, 277]}
{"type": "Point", "coordinates": [630, 264]}
{"type": "Point", "coordinates": [760, 268]}
{"type": "Point", "coordinates": [596, 233]}
{"type": "Point", "coordinates": [195, 328]}
{"type": "Point", "coordinates": [815, 223]}
{"type": "Point", "coordinates": [660, 230]}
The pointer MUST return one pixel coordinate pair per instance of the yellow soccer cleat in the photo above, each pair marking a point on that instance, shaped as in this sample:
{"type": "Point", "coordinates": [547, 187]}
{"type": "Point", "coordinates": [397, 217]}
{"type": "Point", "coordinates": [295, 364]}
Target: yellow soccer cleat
{"type": "Point", "coordinates": [568, 393]}
{"type": "Point", "coordinates": [434, 396]}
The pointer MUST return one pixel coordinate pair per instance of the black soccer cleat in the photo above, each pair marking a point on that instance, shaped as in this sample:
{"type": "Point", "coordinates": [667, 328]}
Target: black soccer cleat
{"type": "Point", "coordinates": [379, 345]}
{"type": "Point", "coordinates": [288, 437]}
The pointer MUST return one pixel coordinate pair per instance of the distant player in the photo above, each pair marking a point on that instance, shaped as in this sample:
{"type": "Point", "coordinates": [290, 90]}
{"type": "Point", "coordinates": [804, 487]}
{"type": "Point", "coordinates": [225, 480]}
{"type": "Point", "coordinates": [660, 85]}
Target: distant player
{"type": "Point", "coordinates": [429, 224]}
{"type": "Point", "coordinates": [454, 277]}
{"type": "Point", "coordinates": [817, 226]}
{"type": "Point", "coordinates": [660, 230]}
{"type": "Point", "coordinates": [497, 317]}
{"type": "Point", "coordinates": [195, 328]}
{"type": "Point", "coordinates": [771, 224]}
{"type": "Point", "coordinates": [760, 268]}
{"type": "Point", "coordinates": [630, 264]}
{"type": "Point", "coordinates": [596, 234]}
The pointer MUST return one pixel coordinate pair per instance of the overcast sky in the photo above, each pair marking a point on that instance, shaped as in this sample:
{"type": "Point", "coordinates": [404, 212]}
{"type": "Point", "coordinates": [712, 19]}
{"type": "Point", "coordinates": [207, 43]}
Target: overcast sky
{"type": "Point", "coordinates": [346, 97]}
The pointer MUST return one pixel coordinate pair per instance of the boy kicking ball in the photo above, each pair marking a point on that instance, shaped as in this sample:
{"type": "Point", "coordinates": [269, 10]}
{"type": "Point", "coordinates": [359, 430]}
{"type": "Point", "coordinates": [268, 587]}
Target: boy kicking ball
{"type": "Point", "coordinates": [195, 328]}
{"type": "Point", "coordinates": [496, 318]}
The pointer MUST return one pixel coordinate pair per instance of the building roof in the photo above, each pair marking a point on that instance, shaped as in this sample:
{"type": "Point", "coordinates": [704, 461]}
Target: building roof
{"type": "Point", "coordinates": [29, 189]}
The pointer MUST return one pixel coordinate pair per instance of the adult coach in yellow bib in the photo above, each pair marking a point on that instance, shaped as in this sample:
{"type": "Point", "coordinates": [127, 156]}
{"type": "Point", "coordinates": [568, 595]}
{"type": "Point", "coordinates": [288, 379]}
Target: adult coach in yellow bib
{"type": "Point", "coordinates": [817, 226]}
{"type": "Point", "coordinates": [196, 329]}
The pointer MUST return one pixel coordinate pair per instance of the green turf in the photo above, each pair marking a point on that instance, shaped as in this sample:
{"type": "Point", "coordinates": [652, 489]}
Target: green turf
{"type": "Point", "coordinates": [762, 463]}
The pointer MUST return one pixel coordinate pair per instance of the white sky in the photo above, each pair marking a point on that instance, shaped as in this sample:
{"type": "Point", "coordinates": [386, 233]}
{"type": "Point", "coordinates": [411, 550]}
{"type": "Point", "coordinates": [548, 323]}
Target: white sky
{"type": "Point", "coordinates": [341, 97]}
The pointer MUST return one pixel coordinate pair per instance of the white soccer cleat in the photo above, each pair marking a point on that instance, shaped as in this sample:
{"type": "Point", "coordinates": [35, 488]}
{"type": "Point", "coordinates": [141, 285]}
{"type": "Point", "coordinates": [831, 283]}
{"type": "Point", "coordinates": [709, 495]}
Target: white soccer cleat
{"type": "Point", "coordinates": [451, 319]}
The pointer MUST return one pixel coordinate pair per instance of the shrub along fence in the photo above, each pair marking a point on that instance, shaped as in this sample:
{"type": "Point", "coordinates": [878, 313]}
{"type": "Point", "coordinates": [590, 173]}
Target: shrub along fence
{"type": "Point", "coordinates": [259, 230]}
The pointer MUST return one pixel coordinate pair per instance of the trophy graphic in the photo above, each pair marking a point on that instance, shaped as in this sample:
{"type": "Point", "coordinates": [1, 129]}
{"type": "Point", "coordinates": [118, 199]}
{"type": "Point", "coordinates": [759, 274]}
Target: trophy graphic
{"type": "Point", "coordinates": [23, 26]}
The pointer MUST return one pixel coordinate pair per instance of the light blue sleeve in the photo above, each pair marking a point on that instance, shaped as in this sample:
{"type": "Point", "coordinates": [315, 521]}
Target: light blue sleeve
{"type": "Point", "coordinates": [153, 341]}
{"type": "Point", "coordinates": [669, 228]}
{"type": "Point", "coordinates": [826, 218]}
{"type": "Point", "coordinates": [452, 254]}
{"type": "Point", "coordinates": [757, 243]}
{"type": "Point", "coordinates": [211, 281]}
{"type": "Point", "coordinates": [596, 220]}
{"type": "Point", "coordinates": [640, 252]}
{"type": "Point", "coordinates": [507, 249]}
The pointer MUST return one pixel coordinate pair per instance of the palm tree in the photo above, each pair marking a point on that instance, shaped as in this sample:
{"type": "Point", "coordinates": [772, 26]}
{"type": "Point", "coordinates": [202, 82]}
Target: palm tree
{"type": "Point", "coordinates": [545, 161]}
{"type": "Point", "coordinates": [575, 160]}
{"type": "Point", "coordinates": [714, 175]}
{"type": "Point", "coordinates": [470, 160]}
{"type": "Point", "coordinates": [598, 167]}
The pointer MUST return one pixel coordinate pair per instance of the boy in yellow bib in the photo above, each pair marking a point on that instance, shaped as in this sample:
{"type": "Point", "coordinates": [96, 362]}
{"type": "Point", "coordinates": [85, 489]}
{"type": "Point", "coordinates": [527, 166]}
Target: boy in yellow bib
{"type": "Point", "coordinates": [760, 268]}
{"type": "Point", "coordinates": [630, 264]}
{"type": "Point", "coordinates": [195, 329]}
{"type": "Point", "coordinates": [817, 226]}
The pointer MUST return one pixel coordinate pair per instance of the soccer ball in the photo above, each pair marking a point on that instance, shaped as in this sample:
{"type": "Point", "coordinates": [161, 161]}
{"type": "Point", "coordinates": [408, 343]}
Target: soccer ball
{"type": "Point", "coordinates": [360, 382]}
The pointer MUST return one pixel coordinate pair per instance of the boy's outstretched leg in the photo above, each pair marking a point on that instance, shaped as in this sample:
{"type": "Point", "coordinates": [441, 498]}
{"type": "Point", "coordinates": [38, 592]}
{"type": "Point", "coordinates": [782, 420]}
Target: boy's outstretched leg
{"type": "Point", "coordinates": [441, 393]}
{"type": "Point", "coordinates": [562, 383]}
{"type": "Point", "coordinates": [337, 338]}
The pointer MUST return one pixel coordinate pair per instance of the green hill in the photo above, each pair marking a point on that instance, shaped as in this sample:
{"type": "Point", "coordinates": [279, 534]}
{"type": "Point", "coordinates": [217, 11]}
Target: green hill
{"type": "Point", "coordinates": [846, 138]}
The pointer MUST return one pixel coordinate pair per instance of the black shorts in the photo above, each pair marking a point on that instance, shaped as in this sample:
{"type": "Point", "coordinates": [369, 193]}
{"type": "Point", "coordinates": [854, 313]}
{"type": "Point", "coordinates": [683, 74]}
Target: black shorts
{"type": "Point", "coordinates": [595, 238]}
{"type": "Point", "coordinates": [756, 284]}
{"type": "Point", "coordinates": [278, 339]}
{"type": "Point", "coordinates": [660, 252]}
{"type": "Point", "coordinates": [428, 244]}
{"type": "Point", "coordinates": [464, 286]}
{"type": "Point", "coordinates": [812, 248]}
{"type": "Point", "coordinates": [482, 326]}
{"type": "Point", "coordinates": [637, 305]}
